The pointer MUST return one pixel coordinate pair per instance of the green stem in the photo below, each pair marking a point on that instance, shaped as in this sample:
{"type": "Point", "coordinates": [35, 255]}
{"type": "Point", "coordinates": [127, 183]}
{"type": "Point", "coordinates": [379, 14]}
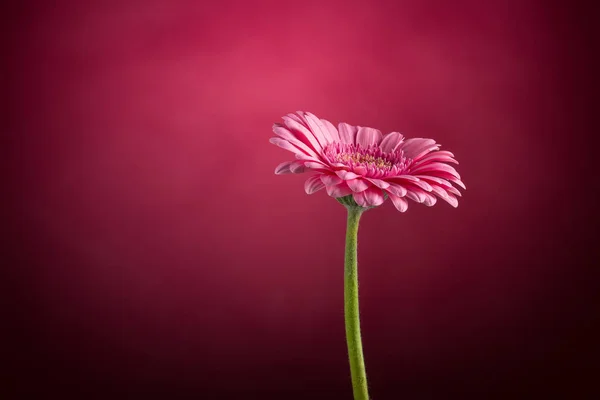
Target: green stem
{"type": "Point", "coordinates": [355, 352]}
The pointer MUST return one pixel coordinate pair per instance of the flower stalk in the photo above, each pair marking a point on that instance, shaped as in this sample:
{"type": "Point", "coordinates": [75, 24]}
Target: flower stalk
{"type": "Point", "coordinates": [351, 309]}
{"type": "Point", "coordinates": [361, 168]}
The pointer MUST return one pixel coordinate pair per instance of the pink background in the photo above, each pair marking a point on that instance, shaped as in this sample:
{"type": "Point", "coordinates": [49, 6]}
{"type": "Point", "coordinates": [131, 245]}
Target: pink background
{"type": "Point", "coordinates": [156, 255]}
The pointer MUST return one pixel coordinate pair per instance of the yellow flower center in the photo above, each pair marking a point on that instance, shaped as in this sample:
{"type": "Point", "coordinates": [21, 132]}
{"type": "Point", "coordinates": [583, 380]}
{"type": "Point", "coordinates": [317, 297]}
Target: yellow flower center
{"type": "Point", "coordinates": [364, 159]}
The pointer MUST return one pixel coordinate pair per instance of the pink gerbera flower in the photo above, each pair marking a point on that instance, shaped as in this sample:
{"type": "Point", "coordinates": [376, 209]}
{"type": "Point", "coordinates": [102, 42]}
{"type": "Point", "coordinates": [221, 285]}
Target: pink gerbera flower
{"type": "Point", "coordinates": [361, 162]}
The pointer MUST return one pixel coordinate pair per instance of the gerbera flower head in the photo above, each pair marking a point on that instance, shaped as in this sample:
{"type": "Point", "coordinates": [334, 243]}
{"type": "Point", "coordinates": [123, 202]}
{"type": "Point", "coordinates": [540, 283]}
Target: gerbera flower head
{"type": "Point", "coordinates": [359, 165]}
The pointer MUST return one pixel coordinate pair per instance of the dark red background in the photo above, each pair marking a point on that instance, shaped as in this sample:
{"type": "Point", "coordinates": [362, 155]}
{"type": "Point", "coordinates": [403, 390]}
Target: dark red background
{"type": "Point", "coordinates": [154, 254]}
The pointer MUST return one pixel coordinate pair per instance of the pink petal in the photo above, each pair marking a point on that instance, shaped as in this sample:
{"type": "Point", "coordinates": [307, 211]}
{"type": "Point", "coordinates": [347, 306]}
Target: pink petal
{"type": "Point", "coordinates": [331, 180]}
{"type": "Point", "coordinates": [297, 167]}
{"type": "Point", "coordinates": [391, 141]}
{"type": "Point", "coordinates": [458, 182]}
{"type": "Point", "coordinates": [379, 183]}
{"type": "Point", "coordinates": [333, 132]}
{"type": "Point", "coordinates": [283, 168]}
{"type": "Point", "coordinates": [440, 156]}
{"type": "Point", "coordinates": [434, 179]}
{"type": "Point", "coordinates": [361, 169]}
{"type": "Point", "coordinates": [284, 144]}
{"type": "Point", "coordinates": [296, 118]}
{"type": "Point", "coordinates": [448, 177]}
{"type": "Point", "coordinates": [420, 196]}
{"type": "Point", "coordinates": [374, 196]}
{"type": "Point", "coordinates": [415, 147]}
{"type": "Point", "coordinates": [426, 151]}
{"type": "Point", "coordinates": [435, 166]}
{"type": "Point", "coordinates": [423, 185]}
{"type": "Point", "coordinates": [303, 133]}
{"type": "Point", "coordinates": [430, 200]}
{"type": "Point", "coordinates": [357, 185]}
{"type": "Point", "coordinates": [345, 175]}
{"type": "Point", "coordinates": [284, 133]}
{"type": "Point", "coordinates": [409, 179]}
{"type": "Point", "coordinates": [316, 166]}
{"type": "Point", "coordinates": [452, 200]}
{"type": "Point", "coordinates": [445, 152]}
{"type": "Point", "coordinates": [439, 191]}
{"type": "Point", "coordinates": [368, 136]}
{"type": "Point", "coordinates": [317, 127]}
{"type": "Point", "coordinates": [339, 190]}
{"type": "Point", "coordinates": [415, 195]}
{"type": "Point", "coordinates": [396, 189]}
{"type": "Point", "coordinates": [400, 203]}
{"type": "Point", "coordinates": [442, 183]}
{"type": "Point", "coordinates": [453, 190]}
{"type": "Point", "coordinates": [313, 184]}
{"type": "Point", "coordinates": [442, 194]}
{"type": "Point", "coordinates": [305, 157]}
{"type": "Point", "coordinates": [347, 133]}
{"type": "Point", "coordinates": [360, 199]}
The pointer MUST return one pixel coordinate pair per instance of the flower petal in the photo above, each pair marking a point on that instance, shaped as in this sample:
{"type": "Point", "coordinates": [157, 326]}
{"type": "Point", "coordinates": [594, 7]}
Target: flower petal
{"type": "Point", "coordinates": [345, 175]}
{"type": "Point", "coordinates": [317, 127]}
{"type": "Point", "coordinates": [458, 182]}
{"type": "Point", "coordinates": [396, 189]}
{"type": "Point", "coordinates": [415, 195]}
{"type": "Point", "coordinates": [333, 132]}
{"type": "Point", "coordinates": [444, 195]}
{"type": "Point", "coordinates": [435, 166]}
{"type": "Point", "coordinates": [305, 157]}
{"type": "Point", "coordinates": [347, 133]}
{"type": "Point", "coordinates": [391, 141]}
{"type": "Point", "coordinates": [416, 147]}
{"type": "Point", "coordinates": [453, 190]}
{"type": "Point", "coordinates": [339, 190]}
{"type": "Point", "coordinates": [296, 117]}
{"type": "Point", "coordinates": [368, 136]}
{"type": "Point", "coordinates": [449, 177]}
{"type": "Point", "coordinates": [286, 134]}
{"type": "Point", "coordinates": [430, 200]}
{"type": "Point", "coordinates": [452, 200]}
{"type": "Point", "coordinates": [440, 156]}
{"type": "Point", "coordinates": [297, 167]}
{"type": "Point", "coordinates": [283, 168]}
{"type": "Point", "coordinates": [357, 185]}
{"type": "Point", "coordinates": [439, 191]}
{"type": "Point", "coordinates": [429, 179]}
{"type": "Point", "coordinates": [284, 144]}
{"type": "Point", "coordinates": [442, 183]}
{"type": "Point", "coordinates": [374, 196]}
{"type": "Point", "coordinates": [379, 183]}
{"type": "Point", "coordinates": [411, 180]}
{"type": "Point", "coordinates": [316, 166]}
{"type": "Point", "coordinates": [420, 196]}
{"type": "Point", "coordinates": [313, 184]}
{"type": "Point", "coordinates": [360, 199]}
{"type": "Point", "coordinates": [331, 180]}
{"type": "Point", "coordinates": [400, 203]}
{"type": "Point", "coordinates": [303, 133]}
{"type": "Point", "coordinates": [360, 170]}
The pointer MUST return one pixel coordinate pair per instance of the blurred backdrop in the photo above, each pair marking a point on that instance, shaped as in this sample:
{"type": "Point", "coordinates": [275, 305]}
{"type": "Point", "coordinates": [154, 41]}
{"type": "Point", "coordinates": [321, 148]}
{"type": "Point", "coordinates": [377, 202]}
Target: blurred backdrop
{"type": "Point", "coordinates": [153, 253]}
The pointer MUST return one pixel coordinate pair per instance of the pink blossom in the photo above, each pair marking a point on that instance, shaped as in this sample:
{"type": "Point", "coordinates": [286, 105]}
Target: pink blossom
{"type": "Point", "coordinates": [364, 163]}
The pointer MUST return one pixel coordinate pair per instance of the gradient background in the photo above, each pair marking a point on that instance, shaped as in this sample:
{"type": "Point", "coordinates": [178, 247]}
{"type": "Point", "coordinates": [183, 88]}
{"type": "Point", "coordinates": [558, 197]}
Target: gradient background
{"type": "Point", "coordinates": [152, 252]}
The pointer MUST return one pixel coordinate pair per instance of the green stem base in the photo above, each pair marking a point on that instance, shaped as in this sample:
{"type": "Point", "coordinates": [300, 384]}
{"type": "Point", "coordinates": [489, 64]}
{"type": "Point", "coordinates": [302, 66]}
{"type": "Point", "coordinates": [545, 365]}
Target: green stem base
{"type": "Point", "coordinates": [351, 312]}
